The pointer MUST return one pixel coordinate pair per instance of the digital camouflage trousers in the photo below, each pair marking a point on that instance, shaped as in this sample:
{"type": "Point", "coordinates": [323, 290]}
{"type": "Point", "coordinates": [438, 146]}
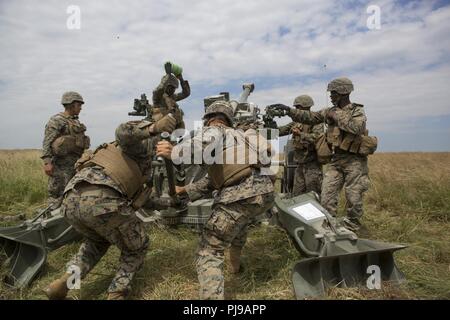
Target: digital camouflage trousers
{"type": "Point", "coordinates": [62, 173]}
{"type": "Point", "coordinates": [351, 174]}
{"type": "Point", "coordinates": [307, 177]}
{"type": "Point", "coordinates": [102, 216]}
{"type": "Point", "coordinates": [227, 226]}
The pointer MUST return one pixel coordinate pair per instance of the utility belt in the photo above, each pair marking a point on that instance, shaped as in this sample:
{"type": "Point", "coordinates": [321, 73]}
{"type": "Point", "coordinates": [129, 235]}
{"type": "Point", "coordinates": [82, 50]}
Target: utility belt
{"type": "Point", "coordinates": [344, 143]}
{"type": "Point", "coordinates": [85, 188]}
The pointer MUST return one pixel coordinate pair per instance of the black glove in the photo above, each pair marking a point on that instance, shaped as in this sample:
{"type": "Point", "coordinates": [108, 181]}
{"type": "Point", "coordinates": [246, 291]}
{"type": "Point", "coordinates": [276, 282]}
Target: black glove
{"type": "Point", "coordinates": [280, 106]}
{"type": "Point", "coordinates": [168, 67]}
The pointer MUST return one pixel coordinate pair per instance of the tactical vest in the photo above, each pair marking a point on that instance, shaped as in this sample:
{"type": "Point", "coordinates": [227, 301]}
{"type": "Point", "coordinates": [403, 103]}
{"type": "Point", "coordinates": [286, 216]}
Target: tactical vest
{"type": "Point", "coordinates": [228, 174]}
{"type": "Point", "coordinates": [349, 142]}
{"type": "Point", "coordinates": [75, 142]}
{"type": "Point", "coordinates": [116, 164]}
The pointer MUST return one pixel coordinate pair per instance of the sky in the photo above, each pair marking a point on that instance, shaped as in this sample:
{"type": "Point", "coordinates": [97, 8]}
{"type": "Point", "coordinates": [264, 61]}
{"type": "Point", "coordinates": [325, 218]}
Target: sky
{"type": "Point", "coordinates": [400, 68]}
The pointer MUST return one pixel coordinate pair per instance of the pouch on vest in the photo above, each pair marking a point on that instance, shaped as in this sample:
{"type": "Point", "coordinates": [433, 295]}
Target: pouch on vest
{"type": "Point", "coordinates": [323, 149]}
{"type": "Point", "coordinates": [65, 145]}
{"type": "Point", "coordinates": [82, 141]}
{"type": "Point", "coordinates": [368, 145]}
{"type": "Point", "coordinates": [333, 136]}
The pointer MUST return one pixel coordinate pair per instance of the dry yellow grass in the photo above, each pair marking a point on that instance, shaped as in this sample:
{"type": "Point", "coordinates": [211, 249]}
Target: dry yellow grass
{"type": "Point", "coordinates": [409, 202]}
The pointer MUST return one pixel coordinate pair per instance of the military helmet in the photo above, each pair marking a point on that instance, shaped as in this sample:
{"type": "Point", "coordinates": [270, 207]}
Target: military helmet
{"type": "Point", "coordinates": [172, 81]}
{"type": "Point", "coordinates": [71, 96]}
{"type": "Point", "coordinates": [341, 85]}
{"type": "Point", "coordinates": [220, 106]}
{"type": "Point", "coordinates": [304, 101]}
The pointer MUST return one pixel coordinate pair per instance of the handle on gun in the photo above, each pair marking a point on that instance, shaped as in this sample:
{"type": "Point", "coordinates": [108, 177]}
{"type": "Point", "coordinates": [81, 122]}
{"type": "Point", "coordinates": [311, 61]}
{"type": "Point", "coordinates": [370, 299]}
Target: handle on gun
{"type": "Point", "coordinates": [169, 167]}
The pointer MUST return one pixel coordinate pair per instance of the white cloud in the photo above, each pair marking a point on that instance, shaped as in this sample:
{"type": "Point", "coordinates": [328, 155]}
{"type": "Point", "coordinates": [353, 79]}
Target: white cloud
{"type": "Point", "coordinates": [120, 49]}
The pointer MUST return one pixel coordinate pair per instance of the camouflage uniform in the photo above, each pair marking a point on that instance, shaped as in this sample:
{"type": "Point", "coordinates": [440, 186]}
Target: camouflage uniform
{"type": "Point", "coordinates": [308, 173]}
{"type": "Point", "coordinates": [346, 170]}
{"type": "Point", "coordinates": [234, 206]}
{"type": "Point", "coordinates": [98, 208]}
{"type": "Point", "coordinates": [63, 166]}
{"type": "Point", "coordinates": [164, 103]}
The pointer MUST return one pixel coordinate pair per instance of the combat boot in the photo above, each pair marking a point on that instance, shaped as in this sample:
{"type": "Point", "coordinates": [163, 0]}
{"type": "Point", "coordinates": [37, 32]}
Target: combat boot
{"type": "Point", "coordinates": [352, 224]}
{"type": "Point", "coordinates": [117, 295]}
{"type": "Point", "coordinates": [234, 259]}
{"type": "Point", "coordinates": [57, 290]}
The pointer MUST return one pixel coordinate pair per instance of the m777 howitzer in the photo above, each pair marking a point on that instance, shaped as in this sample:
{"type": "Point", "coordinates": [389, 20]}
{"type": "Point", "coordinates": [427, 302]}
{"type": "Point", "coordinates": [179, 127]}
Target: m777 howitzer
{"type": "Point", "coordinates": [246, 114]}
{"type": "Point", "coordinates": [333, 256]}
{"type": "Point", "coordinates": [269, 116]}
{"type": "Point", "coordinates": [27, 245]}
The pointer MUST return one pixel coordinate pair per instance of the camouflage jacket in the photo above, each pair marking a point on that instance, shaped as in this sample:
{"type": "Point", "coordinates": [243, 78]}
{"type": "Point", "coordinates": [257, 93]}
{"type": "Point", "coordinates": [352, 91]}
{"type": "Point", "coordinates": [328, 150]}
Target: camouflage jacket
{"type": "Point", "coordinates": [254, 185]}
{"type": "Point", "coordinates": [160, 97]}
{"type": "Point", "coordinates": [351, 119]}
{"type": "Point", "coordinates": [164, 103]}
{"type": "Point", "coordinates": [304, 143]}
{"type": "Point", "coordinates": [134, 139]}
{"type": "Point", "coordinates": [58, 126]}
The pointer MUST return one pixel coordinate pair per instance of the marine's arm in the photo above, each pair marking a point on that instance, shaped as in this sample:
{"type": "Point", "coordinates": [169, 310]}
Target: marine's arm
{"type": "Point", "coordinates": [286, 129]}
{"type": "Point", "coordinates": [52, 131]}
{"type": "Point", "coordinates": [199, 189]}
{"type": "Point", "coordinates": [185, 89]}
{"type": "Point", "coordinates": [308, 117]}
{"type": "Point", "coordinates": [131, 134]}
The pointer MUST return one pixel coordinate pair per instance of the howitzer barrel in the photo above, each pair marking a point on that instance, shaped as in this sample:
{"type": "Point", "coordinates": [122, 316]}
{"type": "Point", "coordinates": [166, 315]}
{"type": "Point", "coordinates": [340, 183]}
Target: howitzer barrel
{"type": "Point", "coordinates": [169, 168]}
{"type": "Point", "coordinates": [248, 88]}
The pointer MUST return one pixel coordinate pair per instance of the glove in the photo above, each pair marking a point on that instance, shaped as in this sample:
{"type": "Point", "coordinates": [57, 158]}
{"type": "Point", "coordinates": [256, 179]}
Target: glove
{"type": "Point", "coordinates": [168, 67]}
{"type": "Point", "coordinates": [280, 106]}
{"type": "Point", "coordinates": [167, 123]}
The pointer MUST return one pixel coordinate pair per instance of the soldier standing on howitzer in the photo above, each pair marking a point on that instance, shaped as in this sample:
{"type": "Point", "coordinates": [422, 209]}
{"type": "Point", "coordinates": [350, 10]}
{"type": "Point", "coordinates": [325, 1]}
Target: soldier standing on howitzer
{"type": "Point", "coordinates": [308, 173]}
{"type": "Point", "coordinates": [100, 203]}
{"type": "Point", "coordinates": [64, 142]}
{"type": "Point", "coordinates": [242, 192]}
{"type": "Point", "coordinates": [346, 143]}
{"type": "Point", "coordinates": [164, 96]}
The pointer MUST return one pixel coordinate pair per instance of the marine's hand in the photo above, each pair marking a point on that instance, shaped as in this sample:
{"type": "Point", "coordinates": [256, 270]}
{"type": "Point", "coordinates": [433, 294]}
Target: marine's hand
{"type": "Point", "coordinates": [180, 190]}
{"type": "Point", "coordinates": [296, 131]}
{"type": "Point", "coordinates": [280, 106]}
{"type": "Point", "coordinates": [168, 67]}
{"type": "Point", "coordinates": [167, 123]}
{"type": "Point", "coordinates": [164, 149]}
{"type": "Point", "coordinates": [48, 169]}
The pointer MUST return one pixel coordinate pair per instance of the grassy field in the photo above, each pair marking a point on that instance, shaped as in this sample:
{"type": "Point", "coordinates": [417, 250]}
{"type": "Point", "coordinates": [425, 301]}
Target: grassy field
{"type": "Point", "coordinates": [408, 202]}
